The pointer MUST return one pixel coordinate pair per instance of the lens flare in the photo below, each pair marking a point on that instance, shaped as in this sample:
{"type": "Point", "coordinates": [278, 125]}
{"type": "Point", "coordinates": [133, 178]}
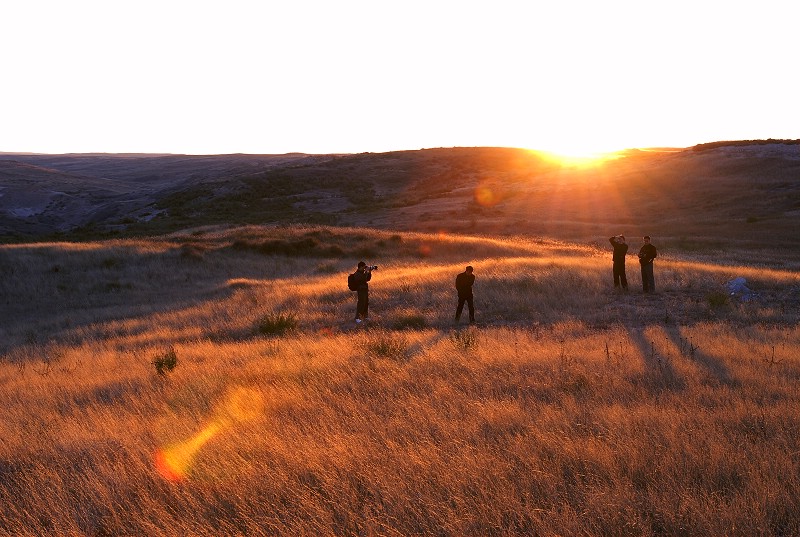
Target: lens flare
{"type": "Point", "coordinates": [174, 462]}
{"type": "Point", "coordinates": [486, 196]}
{"type": "Point", "coordinates": [240, 405]}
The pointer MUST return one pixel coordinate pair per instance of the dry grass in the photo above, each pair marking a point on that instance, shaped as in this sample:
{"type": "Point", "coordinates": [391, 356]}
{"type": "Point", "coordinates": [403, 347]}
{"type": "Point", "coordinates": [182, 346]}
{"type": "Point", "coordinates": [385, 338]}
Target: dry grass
{"type": "Point", "coordinates": [569, 410]}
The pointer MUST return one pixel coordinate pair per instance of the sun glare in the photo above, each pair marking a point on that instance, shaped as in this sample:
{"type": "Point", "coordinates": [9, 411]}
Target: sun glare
{"type": "Point", "coordinates": [579, 158]}
{"type": "Point", "coordinates": [175, 462]}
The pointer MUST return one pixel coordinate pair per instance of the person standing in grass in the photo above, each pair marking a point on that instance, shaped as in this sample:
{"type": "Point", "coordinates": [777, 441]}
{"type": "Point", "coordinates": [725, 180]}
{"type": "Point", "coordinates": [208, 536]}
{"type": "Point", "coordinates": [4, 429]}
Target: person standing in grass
{"type": "Point", "coordinates": [618, 257]}
{"type": "Point", "coordinates": [464, 282]}
{"type": "Point", "coordinates": [361, 276]}
{"type": "Point", "coordinates": [646, 256]}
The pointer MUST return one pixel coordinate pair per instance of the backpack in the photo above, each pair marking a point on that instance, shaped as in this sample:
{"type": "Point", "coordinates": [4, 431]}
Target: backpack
{"type": "Point", "coordinates": [351, 282]}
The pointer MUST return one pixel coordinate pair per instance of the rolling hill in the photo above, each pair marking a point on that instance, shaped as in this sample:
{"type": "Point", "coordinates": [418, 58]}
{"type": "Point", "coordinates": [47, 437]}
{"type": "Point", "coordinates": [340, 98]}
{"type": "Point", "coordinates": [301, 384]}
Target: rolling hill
{"type": "Point", "coordinates": [689, 198]}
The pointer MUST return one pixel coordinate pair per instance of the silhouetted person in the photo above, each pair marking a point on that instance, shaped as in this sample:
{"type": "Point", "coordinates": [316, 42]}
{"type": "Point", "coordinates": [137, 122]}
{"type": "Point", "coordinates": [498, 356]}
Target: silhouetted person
{"type": "Point", "coordinates": [464, 283]}
{"type": "Point", "coordinates": [618, 257]}
{"type": "Point", "coordinates": [362, 276]}
{"type": "Point", "coordinates": [646, 256]}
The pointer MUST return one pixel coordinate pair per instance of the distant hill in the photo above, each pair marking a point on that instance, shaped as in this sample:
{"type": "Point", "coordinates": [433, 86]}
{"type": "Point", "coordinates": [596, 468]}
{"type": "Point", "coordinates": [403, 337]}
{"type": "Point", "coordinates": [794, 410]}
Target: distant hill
{"type": "Point", "coordinates": [743, 143]}
{"type": "Point", "coordinates": [94, 194]}
{"type": "Point", "coordinates": [742, 191]}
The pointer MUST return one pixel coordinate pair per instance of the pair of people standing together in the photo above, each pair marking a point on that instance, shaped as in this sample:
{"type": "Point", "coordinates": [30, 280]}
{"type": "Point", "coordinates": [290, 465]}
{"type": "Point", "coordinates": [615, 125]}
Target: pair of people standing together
{"type": "Point", "coordinates": [647, 254]}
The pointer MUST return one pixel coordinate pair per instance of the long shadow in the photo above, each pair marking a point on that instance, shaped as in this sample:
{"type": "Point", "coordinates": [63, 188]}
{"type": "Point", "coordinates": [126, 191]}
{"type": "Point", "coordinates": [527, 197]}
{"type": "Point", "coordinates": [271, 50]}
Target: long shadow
{"type": "Point", "coordinates": [114, 298]}
{"type": "Point", "coordinates": [659, 374]}
{"type": "Point", "coordinates": [418, 348]}
{"type": "Point", "coordinates": [100, 324]}
{"type": "Point", "coordinates": [715, 367]}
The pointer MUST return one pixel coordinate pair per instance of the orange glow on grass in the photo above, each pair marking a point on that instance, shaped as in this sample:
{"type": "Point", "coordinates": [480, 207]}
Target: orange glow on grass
{"type": "Point", "coordinates": [174, 462]}
{"type": "Point", "coordinates": [327, 331]}
{"type": "Point", "coordinates": [240, 405]}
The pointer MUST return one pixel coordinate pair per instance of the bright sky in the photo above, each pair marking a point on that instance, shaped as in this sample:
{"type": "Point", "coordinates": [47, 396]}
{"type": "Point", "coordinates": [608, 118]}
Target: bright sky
{"type": "Point", "coordinates": [264, 76]}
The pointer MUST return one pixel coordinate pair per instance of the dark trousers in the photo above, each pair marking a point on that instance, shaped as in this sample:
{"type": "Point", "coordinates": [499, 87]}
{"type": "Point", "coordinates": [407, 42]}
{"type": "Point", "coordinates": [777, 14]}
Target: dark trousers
{"type": "Point", "coordinates": [363, 304]}
{"type": "Point", "coordinates": [470, 305]}
{"type": "Point", "coordinates": [619, 275]}
{"type": "Point", "coordinates": [648, 281]}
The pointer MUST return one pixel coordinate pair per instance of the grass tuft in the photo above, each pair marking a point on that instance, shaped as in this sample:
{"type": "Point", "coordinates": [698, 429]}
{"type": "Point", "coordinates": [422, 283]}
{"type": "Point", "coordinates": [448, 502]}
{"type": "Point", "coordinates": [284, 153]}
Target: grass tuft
{"type": "Point", "coordinates": [464, 340]}
{"type": "Point", "coordinates": [277, 324]}
{"type": "Point", "coordinates": [412, 321]}
{"type": "Point", "coordinates": [165, 362]}
{"type": "Point", "coordinates": [385, 344]}
{"type": "Point", "coordinates": [717, 299]}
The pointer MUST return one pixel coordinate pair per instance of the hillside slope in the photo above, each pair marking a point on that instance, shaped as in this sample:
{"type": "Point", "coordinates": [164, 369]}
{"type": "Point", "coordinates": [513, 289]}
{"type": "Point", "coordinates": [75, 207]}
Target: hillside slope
{"type": "Point", "coordinates": [689, 198]}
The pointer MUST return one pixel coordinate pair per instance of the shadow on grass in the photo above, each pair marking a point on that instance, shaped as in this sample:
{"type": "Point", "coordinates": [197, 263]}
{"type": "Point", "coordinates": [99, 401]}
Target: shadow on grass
{"type": "Point", "coordinates": [713, 366]}
{"type": "Point", "coordinates": [659, 375]}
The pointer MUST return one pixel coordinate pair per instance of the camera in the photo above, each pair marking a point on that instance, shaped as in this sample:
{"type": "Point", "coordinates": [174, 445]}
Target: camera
{"type": "Point", "coordinates": [371, 267]}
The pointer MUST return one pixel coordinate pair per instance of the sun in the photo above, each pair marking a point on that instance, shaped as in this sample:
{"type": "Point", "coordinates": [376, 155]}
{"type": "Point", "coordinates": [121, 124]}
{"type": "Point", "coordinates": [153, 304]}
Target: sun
{"type": "Point", "coordinates": [579, 156]}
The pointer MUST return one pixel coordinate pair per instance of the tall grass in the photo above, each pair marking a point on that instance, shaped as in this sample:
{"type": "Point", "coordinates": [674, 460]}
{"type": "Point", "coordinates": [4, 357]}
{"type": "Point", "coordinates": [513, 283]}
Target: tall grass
{"type": "Point", "coordinates": [570, 409]}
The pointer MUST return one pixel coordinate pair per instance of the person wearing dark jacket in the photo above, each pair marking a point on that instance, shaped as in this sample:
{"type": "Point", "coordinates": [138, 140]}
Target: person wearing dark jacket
{"type": "Point", "coordinates": [361, 277]}
{"type": "Point", "coordinates": [464, 282]}
{"type": "Point", "coordinates": [646, 255]}
{"type": "Point", "coordinates": [618, 257]}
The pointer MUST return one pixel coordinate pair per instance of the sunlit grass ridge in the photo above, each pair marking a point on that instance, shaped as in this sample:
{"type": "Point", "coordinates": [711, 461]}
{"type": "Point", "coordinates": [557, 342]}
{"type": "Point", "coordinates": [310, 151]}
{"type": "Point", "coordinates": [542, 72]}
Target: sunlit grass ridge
{"type": "Point", "coordinates": [570, 409]}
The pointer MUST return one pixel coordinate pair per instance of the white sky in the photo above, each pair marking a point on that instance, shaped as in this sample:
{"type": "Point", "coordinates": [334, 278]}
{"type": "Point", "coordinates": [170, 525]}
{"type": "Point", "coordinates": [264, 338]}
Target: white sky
{"type": "Point", "coordinates": [238, 76]}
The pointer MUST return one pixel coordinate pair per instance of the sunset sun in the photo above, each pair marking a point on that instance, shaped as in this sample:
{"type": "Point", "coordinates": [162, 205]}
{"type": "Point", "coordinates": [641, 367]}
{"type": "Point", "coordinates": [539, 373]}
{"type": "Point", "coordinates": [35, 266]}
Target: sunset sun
{"type": "Point", "coordinates": [579, 155]}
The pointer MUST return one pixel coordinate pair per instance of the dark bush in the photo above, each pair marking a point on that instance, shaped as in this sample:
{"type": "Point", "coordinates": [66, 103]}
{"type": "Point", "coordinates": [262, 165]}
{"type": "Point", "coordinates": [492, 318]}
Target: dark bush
{"type": "Point", "coordinates": [166, 362]}
{"type": "Point", "coordinates": [410, 322]}
{"type": "Point", "coordinates": [717, 299]}
{"type": "Point", "coordinates": [192, 252]}
{"type": "Point", "coordinates": [276, 324]}
{"type": "Point", "coordinates": [386, 345]}
{"type": "Point", "coordinates": [306, 247]}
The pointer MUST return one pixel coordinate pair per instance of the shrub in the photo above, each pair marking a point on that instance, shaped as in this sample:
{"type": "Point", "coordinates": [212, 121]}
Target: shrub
{"type": "Point", "coordinates": [192, 252]}
{"type": "Point", "coordinates": [717, 299]}
{"type": "Point", "coordinates": [116, 286]}
{"type": "Point", "coordinates": [386, 345]}
{"type": "Point", "coordinates": [165, 362]}
{"type": "Point", "coordinates": [413, 321]}
{"type": "Point", "coordinates": [276, 324]}
{"type": "Point", "coordinates": [110, 262]}
{"type": "Point", "coordinates": [464, 340]}
{"type": "Point", "coordinates": [243, 245]}
{"type": "Point", "coordinates": [306, 247]}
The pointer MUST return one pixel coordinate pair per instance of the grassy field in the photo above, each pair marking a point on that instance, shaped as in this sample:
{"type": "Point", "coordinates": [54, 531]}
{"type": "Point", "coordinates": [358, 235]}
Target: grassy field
{"type": "Point", "coordinates": [212, 382]}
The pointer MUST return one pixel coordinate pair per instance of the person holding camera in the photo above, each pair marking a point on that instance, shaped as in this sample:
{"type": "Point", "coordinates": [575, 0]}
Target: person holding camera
{"type": "Point", "coordinates": [646, 255]}
{"type": "Point", "coordinates": [360, 278]}
{"type": "Point", "coordinates": [618, 258]}
{"type": "Point", "coordinates": [464, 282]}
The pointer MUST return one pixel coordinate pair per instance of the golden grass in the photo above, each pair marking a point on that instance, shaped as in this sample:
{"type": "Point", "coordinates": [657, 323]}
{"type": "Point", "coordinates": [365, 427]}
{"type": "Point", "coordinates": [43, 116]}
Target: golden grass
{"type": "Point", "coordinates": [570, 409]}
